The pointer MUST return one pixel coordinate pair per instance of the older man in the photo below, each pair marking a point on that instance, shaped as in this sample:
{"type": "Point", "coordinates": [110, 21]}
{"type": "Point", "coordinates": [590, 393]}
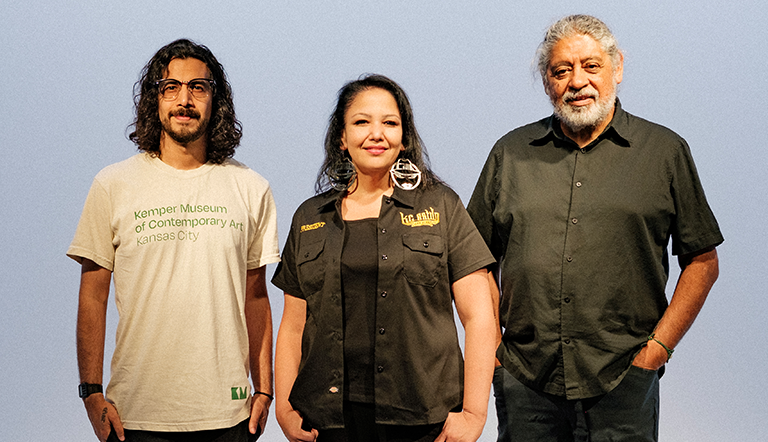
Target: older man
{"type": "Point", "coordinates": [186, 233]}
{"type": "Point", "coordinates": [578, 209]}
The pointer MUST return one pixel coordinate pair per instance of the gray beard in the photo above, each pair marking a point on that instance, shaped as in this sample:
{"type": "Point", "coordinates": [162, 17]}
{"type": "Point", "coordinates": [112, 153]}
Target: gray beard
{"type": "Point", "coordinates": [579, 118]}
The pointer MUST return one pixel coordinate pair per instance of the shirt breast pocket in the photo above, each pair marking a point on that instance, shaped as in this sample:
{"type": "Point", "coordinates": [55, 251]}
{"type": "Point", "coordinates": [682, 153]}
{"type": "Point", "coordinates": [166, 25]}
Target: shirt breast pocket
{"type": "Point", "coordinates": [311, 267]}
{"type": "Point", "coordinates": [422, 262]}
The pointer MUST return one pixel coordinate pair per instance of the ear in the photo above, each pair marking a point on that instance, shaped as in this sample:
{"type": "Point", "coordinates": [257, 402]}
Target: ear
{"type": "Point", "coordinates": [344, 140]}
{"type": "Point", "coordinates": [618, 73]}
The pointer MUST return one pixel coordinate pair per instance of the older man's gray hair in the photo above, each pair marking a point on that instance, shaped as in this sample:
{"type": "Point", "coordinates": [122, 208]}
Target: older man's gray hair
{"type": "Point", "coordinates": [573, 25]}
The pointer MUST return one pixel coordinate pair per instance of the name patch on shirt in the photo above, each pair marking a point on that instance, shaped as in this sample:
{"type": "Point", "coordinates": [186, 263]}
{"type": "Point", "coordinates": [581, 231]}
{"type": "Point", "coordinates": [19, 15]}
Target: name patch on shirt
{"type": "Point", "coordinates": [307, 227]}
{"type": "Point", "coordinates": [426, 218]}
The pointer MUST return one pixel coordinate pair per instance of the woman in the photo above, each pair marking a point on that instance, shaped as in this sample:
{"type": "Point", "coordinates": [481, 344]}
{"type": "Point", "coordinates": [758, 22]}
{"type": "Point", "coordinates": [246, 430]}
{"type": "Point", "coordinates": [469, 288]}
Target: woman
{"type": "Point", "coordinates": [367, 348]}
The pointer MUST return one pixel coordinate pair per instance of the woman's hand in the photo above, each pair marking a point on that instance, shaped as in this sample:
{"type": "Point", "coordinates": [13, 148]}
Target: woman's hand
{"type": "Point", "coordinates": [291, 421]}
{"type": "Point", "coordinates": [462, 427]}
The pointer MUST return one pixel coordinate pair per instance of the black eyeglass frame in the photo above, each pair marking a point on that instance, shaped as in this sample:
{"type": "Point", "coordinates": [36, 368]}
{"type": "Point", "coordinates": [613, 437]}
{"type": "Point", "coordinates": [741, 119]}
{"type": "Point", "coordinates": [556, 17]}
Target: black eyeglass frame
{"type": "Point", "coordinates": [165, 81]}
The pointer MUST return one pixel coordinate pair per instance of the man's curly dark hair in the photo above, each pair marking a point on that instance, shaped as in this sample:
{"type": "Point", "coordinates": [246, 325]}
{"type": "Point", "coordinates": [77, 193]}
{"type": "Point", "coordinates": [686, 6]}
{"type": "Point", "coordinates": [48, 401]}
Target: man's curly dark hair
{"type": "Point", "coordinates": [224, 130]}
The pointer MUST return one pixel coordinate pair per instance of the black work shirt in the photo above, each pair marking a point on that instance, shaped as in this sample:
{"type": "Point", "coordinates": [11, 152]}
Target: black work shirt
{"type": "Point", "coordinates": [582, 235]}
{"type": "Point", "coordinates": [426, 241]}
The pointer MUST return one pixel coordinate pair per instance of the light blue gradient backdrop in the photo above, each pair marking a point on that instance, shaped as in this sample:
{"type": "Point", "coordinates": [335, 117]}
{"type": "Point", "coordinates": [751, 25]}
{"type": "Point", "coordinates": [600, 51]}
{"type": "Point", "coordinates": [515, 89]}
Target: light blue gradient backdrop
{"type": "Point", "coordinates": [68, 68]}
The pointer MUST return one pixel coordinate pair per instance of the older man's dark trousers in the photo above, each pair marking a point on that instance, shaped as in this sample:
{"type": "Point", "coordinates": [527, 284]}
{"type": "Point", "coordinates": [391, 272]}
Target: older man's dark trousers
{"type": "Point", "coordinates": [630, 412]}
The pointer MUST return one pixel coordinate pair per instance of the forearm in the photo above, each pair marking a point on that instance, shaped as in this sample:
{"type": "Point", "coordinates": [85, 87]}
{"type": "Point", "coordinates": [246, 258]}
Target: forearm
{"type": "Point", "coordinates": [478, 365]}
{"type": "Point", "coordinates": [91, 329]}
{"type": "Point", "coordinates": [698, 275]}
{"type": "Point", "coordinates": [258, 317]}
{"type": "Point", "coordinates": [495, 298]}
{"type": "Point", "coordinates": [91, 321]}
{"type": "Point", "coordinates": [475, 307]}
{"type": "Point", "coordinates": [288, 352]}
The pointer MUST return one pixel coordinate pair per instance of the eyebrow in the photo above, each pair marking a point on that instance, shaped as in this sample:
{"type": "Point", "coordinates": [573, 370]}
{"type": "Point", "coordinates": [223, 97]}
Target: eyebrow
{"type": "Point", "coordinates": [582, 61]}
{"type": "Point", "coordinates": [363, 114]}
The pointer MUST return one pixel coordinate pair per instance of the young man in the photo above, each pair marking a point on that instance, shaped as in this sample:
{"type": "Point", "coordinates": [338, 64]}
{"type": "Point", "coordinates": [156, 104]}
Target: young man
{"type": "Point", "coordinates": [186, 233]}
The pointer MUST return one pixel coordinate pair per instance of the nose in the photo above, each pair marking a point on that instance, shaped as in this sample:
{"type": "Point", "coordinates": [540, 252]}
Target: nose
{"type": "Point", "coordinates": [377, 131]}
{"type": "Point", "coordinates": [184, 98]}
{"type": "Point", "coordinates": [579, 78]}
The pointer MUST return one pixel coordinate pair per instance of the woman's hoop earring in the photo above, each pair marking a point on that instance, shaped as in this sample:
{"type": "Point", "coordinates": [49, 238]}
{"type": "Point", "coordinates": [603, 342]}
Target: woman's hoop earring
{"type": "Point", "coordinates": [342, 174]}
{"type": "Point", "coordinates": [405, 174]}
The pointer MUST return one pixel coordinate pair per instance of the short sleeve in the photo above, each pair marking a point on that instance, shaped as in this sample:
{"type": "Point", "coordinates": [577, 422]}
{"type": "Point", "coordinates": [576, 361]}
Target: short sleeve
{"type": "Point", "coordinates": [482, 203]}
{"type": "Point", "coordinates": [263, 248]}
{"type": "Point", "coordinates": [285, 277]}
{"type": "Point", "coordinates": [94, 238]}
{"type": "Point", "coordinates": [695, 227]}
{"type": "Point", "coordinates": [467, 251]}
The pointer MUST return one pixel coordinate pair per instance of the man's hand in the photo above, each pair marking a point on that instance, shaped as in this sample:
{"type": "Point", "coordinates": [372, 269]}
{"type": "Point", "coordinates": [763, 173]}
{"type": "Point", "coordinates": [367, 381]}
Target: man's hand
{"type": "Point", "coordinates": [462, 427]}
{"type": "Point", "coordinates": [651, 357]}
{"type": "Point", "coordinates": [259, 412]}
{"type": "Point", "coordinates": [103, 416]}
{"type": "Point", "coordinates": [291, 423]}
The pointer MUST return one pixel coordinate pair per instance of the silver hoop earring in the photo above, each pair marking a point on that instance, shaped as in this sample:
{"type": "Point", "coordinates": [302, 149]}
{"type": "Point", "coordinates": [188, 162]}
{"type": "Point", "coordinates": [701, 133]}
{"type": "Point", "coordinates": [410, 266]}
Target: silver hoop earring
{"type": "Point", "coordinates": [342, 174]}
{"type": "Point", "coordinates": [405, 174]}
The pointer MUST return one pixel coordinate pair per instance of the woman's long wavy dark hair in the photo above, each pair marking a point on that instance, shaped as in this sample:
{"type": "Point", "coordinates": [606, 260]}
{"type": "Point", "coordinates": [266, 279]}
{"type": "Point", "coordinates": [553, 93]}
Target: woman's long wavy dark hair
{"type": "Point", "coordinates": [224, 130]}
{"type": "Point", "coordinates": [414, 146]}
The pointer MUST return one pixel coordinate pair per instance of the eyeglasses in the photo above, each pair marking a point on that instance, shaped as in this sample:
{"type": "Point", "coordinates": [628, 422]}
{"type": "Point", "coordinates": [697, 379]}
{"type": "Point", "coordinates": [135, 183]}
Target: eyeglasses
{"type": "Point", "coordinates": [200, 88]}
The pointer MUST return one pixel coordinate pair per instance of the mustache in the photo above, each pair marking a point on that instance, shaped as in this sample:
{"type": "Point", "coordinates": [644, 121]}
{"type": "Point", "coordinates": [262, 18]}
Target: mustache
{"type": "Point", "coordinates": [184, 112]}
{"type": "Point", "coordinates": [585, 92]}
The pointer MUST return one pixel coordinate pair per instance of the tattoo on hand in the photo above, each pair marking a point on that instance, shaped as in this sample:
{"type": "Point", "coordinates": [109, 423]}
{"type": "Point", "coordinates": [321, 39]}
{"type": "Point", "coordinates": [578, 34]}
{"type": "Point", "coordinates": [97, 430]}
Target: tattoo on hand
{"type": "Point", "coordinates": [104, 415]}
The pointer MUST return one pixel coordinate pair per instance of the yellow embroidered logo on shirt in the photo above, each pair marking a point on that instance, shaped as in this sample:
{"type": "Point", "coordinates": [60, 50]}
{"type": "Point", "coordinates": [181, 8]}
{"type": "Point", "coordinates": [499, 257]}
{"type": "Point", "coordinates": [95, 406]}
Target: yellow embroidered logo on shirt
{"type": "Point", "coordinates": [314, 226]}
{"type": "Point", "coordinates": [426, 218]}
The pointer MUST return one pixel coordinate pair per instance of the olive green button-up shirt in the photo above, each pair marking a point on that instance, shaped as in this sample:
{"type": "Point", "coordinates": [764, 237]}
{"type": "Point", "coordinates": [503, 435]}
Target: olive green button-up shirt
{"type": "Point", "coordinates": [426, 241]}
{"type": "Point", "coordinates": [582, 235]}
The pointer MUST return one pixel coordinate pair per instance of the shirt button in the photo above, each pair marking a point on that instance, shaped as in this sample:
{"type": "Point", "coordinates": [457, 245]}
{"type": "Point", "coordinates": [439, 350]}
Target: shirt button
{"type": "Point", "coordinates": [578, 183]}
{"type": "Point", "coordinates": [333, 390]}
{"type": "Point", "coordinates": [574, 220]}
{"type": "Point", "coordinates": [381, 331]}
{"type": "Point", "coordinates": [384, 257]}
{"type": "Point", "coordinates": [306, 255]}
{"type": "Point", "coordinates": [426, 244]}
{"type": "Point", "coordinates": [388, 201]}
{"type": "Point", "coordinates": [567, 300]}
{"type": "Point", "coordinates": [569, 258]}
{"type": "Point", "coordinates": [384, 294]}
{"type": "Point", "coordinates": [383, 231]}
{"type": "Point", "coordinates": [380, 368]}
{"type": "Point", "coordinates": [567, 341]}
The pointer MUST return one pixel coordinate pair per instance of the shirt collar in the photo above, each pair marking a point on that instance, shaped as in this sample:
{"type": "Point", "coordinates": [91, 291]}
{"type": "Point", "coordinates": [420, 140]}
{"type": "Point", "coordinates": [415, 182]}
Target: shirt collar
{"type": "Point", "coordinates": [617, 131]}
{"type": "Point", "coordinates": [328, 199]}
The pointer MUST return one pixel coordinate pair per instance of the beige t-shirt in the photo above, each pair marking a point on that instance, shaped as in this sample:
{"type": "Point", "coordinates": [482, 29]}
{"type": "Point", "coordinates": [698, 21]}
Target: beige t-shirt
{"type": "Point", "coordinates": [179, 243]}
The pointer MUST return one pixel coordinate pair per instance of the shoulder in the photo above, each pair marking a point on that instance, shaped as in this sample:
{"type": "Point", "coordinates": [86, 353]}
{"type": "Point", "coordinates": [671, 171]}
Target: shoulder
{"type": "Point", "coordinates": [313, 206]}
{"type": "Point", "coordinates": [243, 173]}
{"type": "Point", "coordinates": [442, 191]}
{"type": "Point", "coordinates": [523, 135]}
{"type": "Point", "coordinates": [438, 197]}
{"type": "Point", "coordinates": [125, 169]}
{"type": "Point", "coordinates": [647, 133]}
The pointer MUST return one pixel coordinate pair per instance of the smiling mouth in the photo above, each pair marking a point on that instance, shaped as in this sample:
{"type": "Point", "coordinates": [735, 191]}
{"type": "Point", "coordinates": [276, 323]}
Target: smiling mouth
{"type": "Point", "coordinates": [375, 149]}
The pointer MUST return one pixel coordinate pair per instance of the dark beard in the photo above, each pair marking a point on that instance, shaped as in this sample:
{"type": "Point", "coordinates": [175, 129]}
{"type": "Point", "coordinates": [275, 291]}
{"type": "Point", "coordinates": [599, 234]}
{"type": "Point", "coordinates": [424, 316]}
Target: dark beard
{"type": "Point", "coordinates": [186, 136]}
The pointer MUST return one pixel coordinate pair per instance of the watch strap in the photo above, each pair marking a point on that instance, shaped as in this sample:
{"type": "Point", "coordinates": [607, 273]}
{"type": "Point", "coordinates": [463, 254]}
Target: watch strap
{"type": "Point", "coordinates": [85, 389]}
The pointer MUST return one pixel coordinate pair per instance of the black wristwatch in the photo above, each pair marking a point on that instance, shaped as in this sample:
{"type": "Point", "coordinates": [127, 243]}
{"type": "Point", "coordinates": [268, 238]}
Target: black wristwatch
{"type": "Point", "coordinates": [85, 389]}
